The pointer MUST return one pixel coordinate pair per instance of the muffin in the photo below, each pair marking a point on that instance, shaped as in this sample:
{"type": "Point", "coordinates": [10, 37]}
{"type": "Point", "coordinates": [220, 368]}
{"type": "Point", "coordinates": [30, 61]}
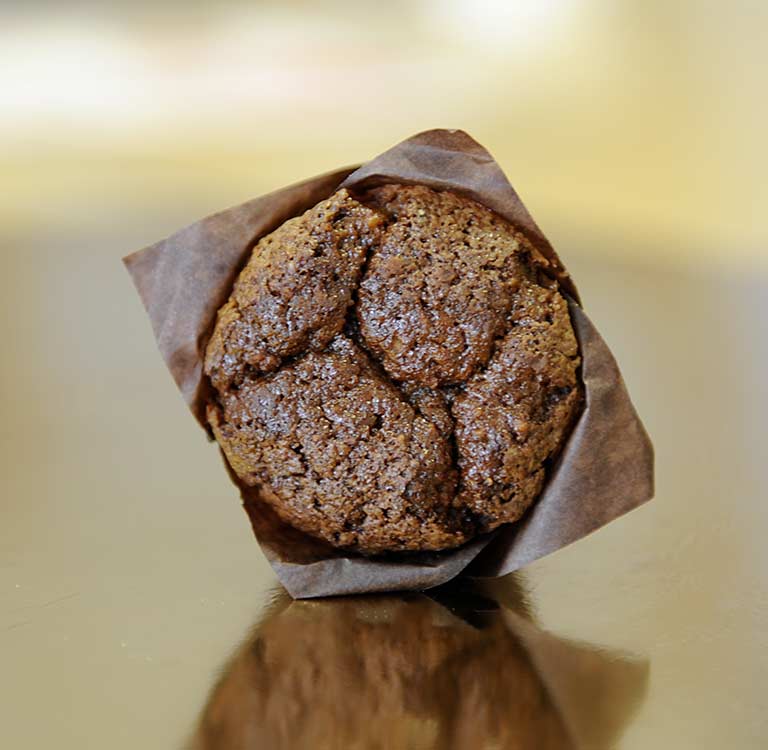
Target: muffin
{"type": "Point", "coordinates": [393, 371]}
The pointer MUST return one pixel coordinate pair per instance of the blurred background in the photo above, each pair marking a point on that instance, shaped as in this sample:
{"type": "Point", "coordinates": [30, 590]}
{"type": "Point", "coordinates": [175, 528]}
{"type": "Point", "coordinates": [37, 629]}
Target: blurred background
{"type": "Point", "coordinates": [635, 133]}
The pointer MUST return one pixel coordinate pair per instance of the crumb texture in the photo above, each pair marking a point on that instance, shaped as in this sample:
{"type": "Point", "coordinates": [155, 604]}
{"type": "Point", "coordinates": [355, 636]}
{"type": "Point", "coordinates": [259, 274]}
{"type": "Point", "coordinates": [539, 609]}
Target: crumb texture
{"type": "Point", "coordinates": [393, 372]}
{"type": "Point", "coordinates": [514, 415]}
{"type": "Point", "coordinates": [294, 292]}
{"type": "Point", "coordinates": [438, 292]}
{"type": "Point", "coordinates": [340, 453]}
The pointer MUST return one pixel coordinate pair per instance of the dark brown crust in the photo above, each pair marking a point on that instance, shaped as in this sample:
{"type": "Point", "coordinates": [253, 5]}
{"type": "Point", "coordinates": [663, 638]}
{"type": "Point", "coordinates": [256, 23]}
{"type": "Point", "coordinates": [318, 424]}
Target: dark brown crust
{"type": "Point", "coordinates": [513, 416]}
{"type": "Point", "coordinates": [294, 292]}
{"type": "Point", "coordinates": [438, 292]}
{"type": "Point", "coordinates": [433, 416]}
{"type": "Point", "coordinates": [339, 453]}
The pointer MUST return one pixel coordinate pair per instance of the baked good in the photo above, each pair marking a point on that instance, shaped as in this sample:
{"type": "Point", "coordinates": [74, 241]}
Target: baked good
{"type": "Point", "coordinates": [393, 371]}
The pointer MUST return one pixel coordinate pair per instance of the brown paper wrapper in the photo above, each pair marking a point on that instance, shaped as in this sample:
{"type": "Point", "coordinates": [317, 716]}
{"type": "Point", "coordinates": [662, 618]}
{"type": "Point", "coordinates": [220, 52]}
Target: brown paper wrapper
{"type": "Point", "coordinates": [604, 470]}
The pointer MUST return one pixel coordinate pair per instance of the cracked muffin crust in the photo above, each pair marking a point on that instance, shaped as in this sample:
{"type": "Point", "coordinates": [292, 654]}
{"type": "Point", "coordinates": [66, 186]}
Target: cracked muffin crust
{"type": "Point", "coordinates": [438, 292]}
{"type": "Point", "coordinates": [393, 372]}
{"type": "Point", "coordinates": [294, 293]}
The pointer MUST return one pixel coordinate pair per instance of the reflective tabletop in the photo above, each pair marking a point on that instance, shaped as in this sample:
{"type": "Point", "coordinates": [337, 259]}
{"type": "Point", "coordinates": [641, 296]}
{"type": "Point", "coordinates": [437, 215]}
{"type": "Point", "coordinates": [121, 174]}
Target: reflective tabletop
{"type": "Point", "coordinates": [136, 609]}
{"type": "Point", "coordinates": [462, 666]}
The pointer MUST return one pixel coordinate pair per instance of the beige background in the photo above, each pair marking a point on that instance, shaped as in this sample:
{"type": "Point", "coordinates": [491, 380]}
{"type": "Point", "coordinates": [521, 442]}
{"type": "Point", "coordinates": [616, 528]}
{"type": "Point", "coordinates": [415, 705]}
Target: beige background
{"type": "Point", "coordinates": [635, 134]}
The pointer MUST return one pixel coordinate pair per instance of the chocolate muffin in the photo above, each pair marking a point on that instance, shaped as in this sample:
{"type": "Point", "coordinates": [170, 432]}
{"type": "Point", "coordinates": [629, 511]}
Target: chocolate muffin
{"type": "Point", "coordinates": [393, 371]}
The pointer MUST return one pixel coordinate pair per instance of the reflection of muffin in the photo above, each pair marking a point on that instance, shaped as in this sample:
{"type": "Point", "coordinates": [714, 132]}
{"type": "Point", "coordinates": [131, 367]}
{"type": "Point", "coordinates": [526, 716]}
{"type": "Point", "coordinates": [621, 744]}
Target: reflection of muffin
{"type": "Point", "coordinates": [379, 673]}
{"type": "Point", "coordinates": [393, 371]}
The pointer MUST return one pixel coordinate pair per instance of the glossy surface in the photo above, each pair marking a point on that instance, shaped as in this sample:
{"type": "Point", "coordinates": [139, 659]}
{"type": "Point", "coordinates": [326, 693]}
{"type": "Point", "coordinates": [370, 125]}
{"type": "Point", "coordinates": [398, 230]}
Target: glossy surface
{"type": "Point", "coordinates": [128, 573]}
{"type": "Point", "coordinates": [463, 667]}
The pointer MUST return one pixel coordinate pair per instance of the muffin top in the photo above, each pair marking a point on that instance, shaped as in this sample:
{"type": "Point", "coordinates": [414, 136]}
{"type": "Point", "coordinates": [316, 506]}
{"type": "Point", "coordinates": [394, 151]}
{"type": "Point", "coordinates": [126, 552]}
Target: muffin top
{"type": "Point", "coordinates": [439, 289]}
{"type": "Point", "coordinates": [393, 371]}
